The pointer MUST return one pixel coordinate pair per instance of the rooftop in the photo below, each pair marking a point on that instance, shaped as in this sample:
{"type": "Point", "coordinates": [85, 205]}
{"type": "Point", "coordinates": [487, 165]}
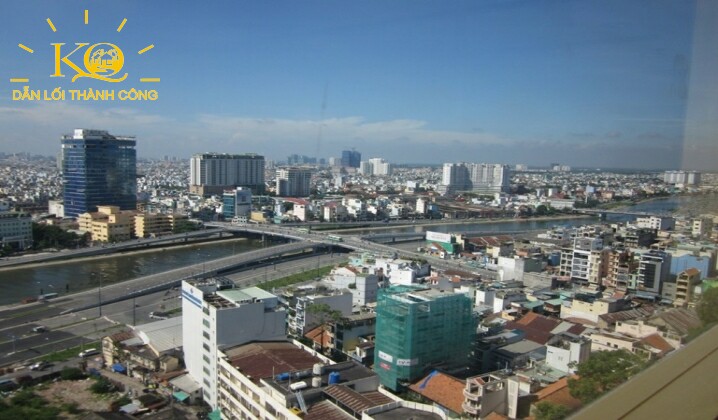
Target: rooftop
{"type": "Point", "coordinates": [162, 335]}
{"type": "Point", "coordinates": [247, 295]}
{"type": "Point", "coordinates": [403, 413]}
{"type": "Point", "coordinates": [442, 389]}
{"type": "Point", "coordinates": [348, 371]}
{"type": "Point", "coordinates": [353, 401]}
{"type": "Point", "coordinates": [262, 360]}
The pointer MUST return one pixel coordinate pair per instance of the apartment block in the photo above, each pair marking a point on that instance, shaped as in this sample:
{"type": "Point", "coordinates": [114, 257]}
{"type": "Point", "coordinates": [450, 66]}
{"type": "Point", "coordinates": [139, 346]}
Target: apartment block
{"type": "Point", "coordinates": [686, 282]}
{"type": "Point", "coordinates": [280, 381]}
{"type": "Point", "coordinates": [653, 271]}
{"type": "Point", "coordinates": [224, 316]}
{"type": "Point", "coordinates": [418, 329]}
{"type": "Point", "coordinates": [212, 173]}
{"type": "Point", "coordinates": [16, 229]}
{"type": "Point", "coordinates": [305, 318]}
{"type": "Point", "coordinates": [108, 224]}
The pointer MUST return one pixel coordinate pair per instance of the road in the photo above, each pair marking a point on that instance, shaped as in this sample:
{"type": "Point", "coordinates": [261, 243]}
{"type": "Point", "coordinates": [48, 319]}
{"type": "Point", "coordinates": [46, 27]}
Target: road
{"type": "Point", "coordinates": [79, 318]}
{"type": "Point", "coordinates": [18, 342]}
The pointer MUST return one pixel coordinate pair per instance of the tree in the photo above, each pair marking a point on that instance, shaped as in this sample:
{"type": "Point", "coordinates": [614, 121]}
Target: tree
{"type": "Point", "coordinates": [541, 210]}
{"type": "Point", "coordinates": [102, 386]}
{"type": "Point", "coordinates": [602, 372]}
{"type": "Point", "coordinates": [71, 374]}
{"type": "Point", "coordinates": [324, 313]}
{"type": "Point", "coordinates": [546, 410]}
{"type": "Point", "coordinates": [707, 307]}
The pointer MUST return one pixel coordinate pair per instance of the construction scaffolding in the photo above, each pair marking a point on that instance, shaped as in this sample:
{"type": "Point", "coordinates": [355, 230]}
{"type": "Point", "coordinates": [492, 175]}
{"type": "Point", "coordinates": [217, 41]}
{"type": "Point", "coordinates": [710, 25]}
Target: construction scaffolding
{"type": "Point", "coordinates": [419, 329]}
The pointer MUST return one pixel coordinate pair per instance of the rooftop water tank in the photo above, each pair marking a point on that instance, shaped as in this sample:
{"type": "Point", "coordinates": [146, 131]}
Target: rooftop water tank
{"type": "Point", "coordinates": [297, 386]}
{"type": "Point", "coordinates": [316, 382]}
{"type": "Point", "coordinates": [334, 378]}
{"type": "Point", "coordinates": [318, 369]}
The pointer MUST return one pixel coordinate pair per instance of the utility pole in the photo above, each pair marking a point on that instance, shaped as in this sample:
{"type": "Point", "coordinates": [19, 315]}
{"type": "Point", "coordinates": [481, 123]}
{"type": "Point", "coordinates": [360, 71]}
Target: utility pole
{"type": "Point", "coordinates": [99, 295]}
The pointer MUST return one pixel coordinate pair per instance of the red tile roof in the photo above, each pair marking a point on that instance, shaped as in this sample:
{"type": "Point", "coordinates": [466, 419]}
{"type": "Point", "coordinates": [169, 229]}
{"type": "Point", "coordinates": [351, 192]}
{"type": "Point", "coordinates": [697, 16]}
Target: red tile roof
{"type": "Point", "coordinates": [657, 342]}
{"type": "Point", "coordinates": [442, 389]}
{"type": "Point", "coordinates": [536, 327]}
{"type": "Point", "coordinates": [299, 201]}
{"type": "Point", "coordinates": [558, 393]}
{"type": "Point", "coordinates": [316, 336]}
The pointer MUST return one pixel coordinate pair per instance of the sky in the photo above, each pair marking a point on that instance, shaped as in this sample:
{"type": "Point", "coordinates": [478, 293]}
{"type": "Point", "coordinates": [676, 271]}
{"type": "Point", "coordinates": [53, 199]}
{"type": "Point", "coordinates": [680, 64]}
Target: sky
{"type": "Point", "coordinates": [586, 83]}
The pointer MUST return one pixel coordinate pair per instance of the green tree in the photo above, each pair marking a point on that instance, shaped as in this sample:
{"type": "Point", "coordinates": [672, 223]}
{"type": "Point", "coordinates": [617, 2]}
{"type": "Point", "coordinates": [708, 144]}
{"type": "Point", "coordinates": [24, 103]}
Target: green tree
{"type": "Point", "coordinates": [707, 307]}
{"type": "Point", "coordinates": [549, 411]}
{"type": "Point", "coordinates": [102, 386]}
{"type": "Point", "coordinates": [182, 226]}
{"type": "Point", "coordinates": [71, 374]}
{"type": "Point", "coordinates": [48, 236]}
{"type": "Point", "coordinates": [602, 372]}
{"type": "Point", "coordinates": [324, 313]}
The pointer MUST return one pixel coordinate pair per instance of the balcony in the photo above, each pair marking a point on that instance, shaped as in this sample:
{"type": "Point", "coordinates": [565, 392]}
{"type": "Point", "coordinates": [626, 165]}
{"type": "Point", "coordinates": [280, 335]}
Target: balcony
{"type": "Point", "coordinates": [470, 408]}
{"type": "Point", "coordinates": [472, 395]}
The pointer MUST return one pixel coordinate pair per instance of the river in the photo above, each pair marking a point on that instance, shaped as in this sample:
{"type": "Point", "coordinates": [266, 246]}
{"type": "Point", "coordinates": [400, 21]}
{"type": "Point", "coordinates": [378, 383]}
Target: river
{"type": "Point", "coordinates": [86, 273]}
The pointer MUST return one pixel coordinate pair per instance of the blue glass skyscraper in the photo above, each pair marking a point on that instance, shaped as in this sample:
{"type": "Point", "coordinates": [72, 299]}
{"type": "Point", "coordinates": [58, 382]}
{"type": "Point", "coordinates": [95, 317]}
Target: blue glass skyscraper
{"type": "Point", "coordinates": [98, 169]}
{"type": "Point", "coordinates": [351, 158]}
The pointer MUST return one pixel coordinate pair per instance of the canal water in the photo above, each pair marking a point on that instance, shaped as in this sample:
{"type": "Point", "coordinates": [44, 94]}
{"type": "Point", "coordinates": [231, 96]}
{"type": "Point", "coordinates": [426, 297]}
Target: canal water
{"type": "Point", "coordinates": [16, 284]}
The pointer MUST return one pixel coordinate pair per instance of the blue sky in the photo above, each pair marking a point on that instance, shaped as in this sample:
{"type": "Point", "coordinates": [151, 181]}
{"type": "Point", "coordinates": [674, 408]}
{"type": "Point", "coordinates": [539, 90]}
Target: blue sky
{"type": "Point", "coordinates": [595, 83]}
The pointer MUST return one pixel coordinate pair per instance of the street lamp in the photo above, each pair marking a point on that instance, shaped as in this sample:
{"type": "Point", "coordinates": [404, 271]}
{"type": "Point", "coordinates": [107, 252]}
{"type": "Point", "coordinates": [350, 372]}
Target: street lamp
{"type": "Point", "coordinates": [134, 306]}
{"type": "Point", "coordinates": [93, 275]}
{"type": "Point", "coordinates": [99, 296]}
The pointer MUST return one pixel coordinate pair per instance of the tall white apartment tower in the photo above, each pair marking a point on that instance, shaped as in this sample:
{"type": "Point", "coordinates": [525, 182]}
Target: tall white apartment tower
{"type": "Point", "coordinates": [212, 173]}
{"type": "Point", "coordinates": [215, 315]}
{"type": "Point", "coordinates": [294, 182]}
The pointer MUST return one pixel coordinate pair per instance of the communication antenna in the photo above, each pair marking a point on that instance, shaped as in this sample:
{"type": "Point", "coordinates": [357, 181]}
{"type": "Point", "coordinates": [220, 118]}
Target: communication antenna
{"type": "Point", "coordinates": [321, 119]}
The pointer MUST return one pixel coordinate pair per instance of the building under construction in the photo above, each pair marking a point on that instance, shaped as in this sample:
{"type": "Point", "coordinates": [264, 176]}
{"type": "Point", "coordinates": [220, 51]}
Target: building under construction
{"type": "Point", "coordinates": [419, 329]}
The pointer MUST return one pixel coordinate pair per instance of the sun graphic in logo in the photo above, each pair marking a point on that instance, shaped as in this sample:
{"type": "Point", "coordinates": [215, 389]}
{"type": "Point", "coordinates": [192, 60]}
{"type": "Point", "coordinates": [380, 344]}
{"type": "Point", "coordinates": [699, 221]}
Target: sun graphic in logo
{"type": "Point", "coordinates": [101, 61]}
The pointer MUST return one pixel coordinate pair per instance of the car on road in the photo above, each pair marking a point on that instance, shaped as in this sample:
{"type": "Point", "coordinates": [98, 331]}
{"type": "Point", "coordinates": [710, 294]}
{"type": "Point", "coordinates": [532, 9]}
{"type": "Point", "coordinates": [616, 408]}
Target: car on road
{"type": "Point", "coordinates": [39, 365]}
{"type": "Point", "coordinates": [89, 352]}
{"type": "Point", "coordinates": [39, 329]}
{"type": "Point", "coordinates": [158, 315]}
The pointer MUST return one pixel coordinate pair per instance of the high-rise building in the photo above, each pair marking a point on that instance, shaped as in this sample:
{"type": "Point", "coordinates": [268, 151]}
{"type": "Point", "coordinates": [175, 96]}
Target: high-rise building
{"type": "Point", "coordinates": [293, 182]}
{"type": "Point", "coordinates": [98, 169]}
{"type": "Point", "coordinates": [296, 159]}
{"type": "Point", "coordinates": [482, 178]}
{"type": "Point", "coordinates": [380, 167]}
{"type": "Point", "coordinates": [419, 329]}
{"type": "Point", "coordinates": [682, 177]}
{"type": "Point", "coordinates": [653, 271]}
{"type": "Point", "coordinates": [16, 229]}
{"type": "Point", "coordinates": [351, 158]}
{"type": "Point", "coordinates": [212, 173]}
{"type": "Point", "coordinates": [586, 262]}
{"type": "Point", "coordinates": [366, 168]}
{"type": "Point", "coordinates": [237, 203]}
{"type": "Point", "coordinates": [224, 316]}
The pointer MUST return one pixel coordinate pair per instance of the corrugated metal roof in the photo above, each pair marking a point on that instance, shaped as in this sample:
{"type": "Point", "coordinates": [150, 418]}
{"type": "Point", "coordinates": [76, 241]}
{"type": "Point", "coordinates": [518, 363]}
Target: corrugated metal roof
{"type": "Point", "coordinates": [162, 335]}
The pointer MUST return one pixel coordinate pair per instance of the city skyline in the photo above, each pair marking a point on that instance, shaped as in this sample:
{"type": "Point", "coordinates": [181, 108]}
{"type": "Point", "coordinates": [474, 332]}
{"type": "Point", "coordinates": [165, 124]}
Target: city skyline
{"type": "Point", "coordinates": [588, 84]}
